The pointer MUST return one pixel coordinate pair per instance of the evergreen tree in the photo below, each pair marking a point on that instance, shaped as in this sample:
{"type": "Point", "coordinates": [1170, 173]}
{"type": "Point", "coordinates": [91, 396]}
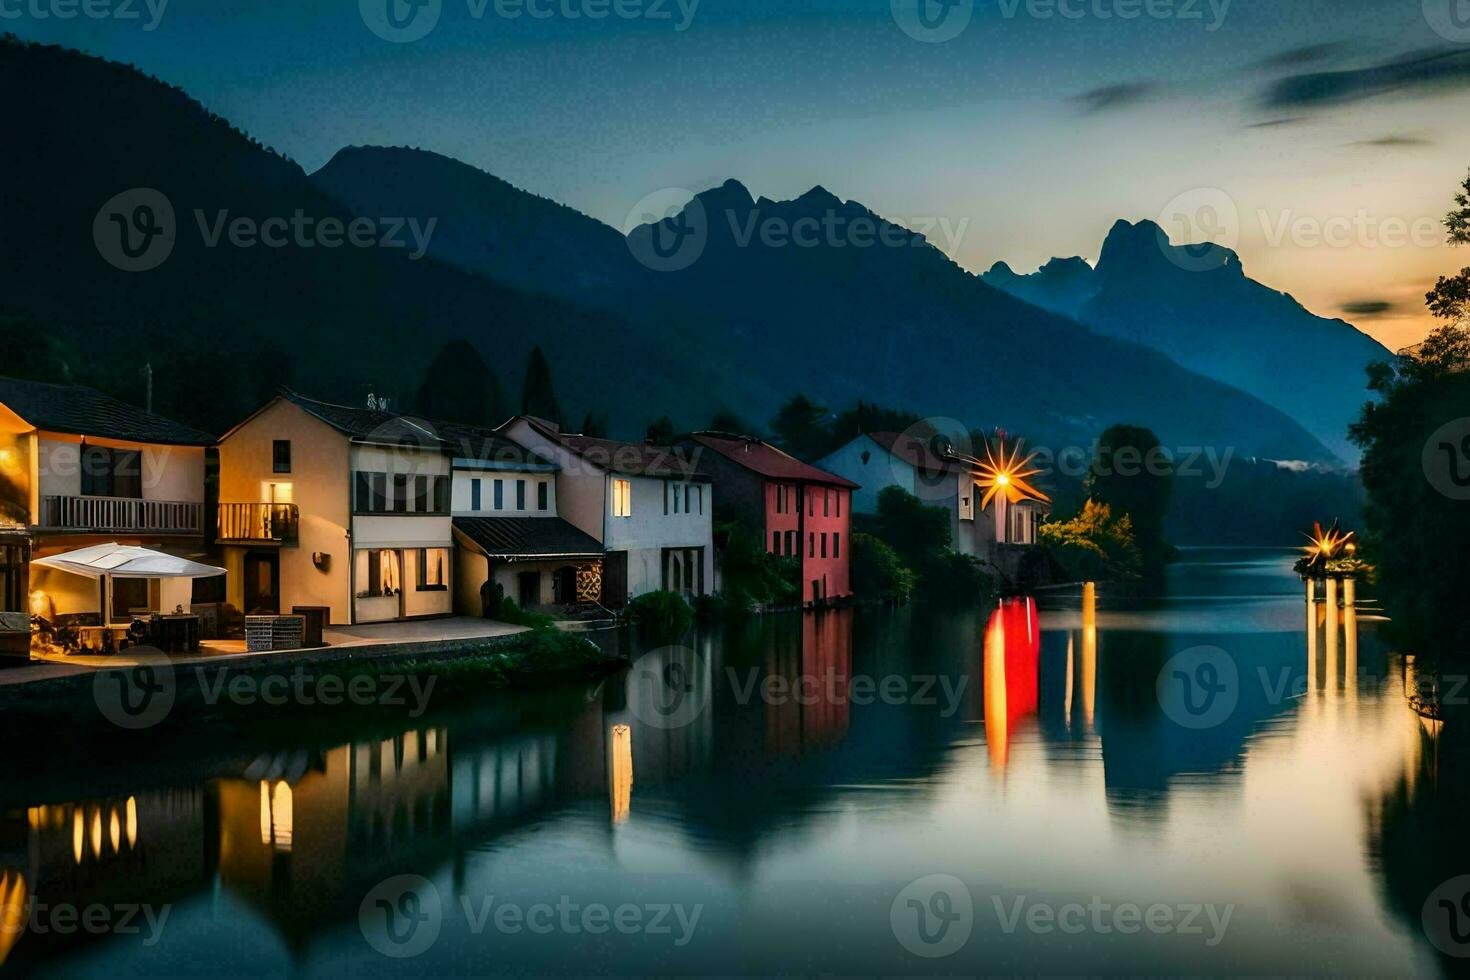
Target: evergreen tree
{"type": "Point", "coordinates": [661, 431]}
{"type": "Point", "coordinates": [538, 394]}
{"type": "Point", "coordinates": [459, 386]}
{"type": "Point", "coordinates": [1133, 475]}
{"type": "Point", "coordinates": [800, 428]}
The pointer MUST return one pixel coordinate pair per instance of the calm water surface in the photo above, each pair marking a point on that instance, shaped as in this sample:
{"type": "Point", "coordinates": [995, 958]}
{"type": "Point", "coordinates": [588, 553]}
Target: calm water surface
{"type": "Point", "coordinates": [763, 799]}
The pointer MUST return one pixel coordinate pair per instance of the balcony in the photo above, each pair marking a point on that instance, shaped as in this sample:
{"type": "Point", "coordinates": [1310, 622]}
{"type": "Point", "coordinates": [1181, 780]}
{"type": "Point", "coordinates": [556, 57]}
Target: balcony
{"type": "Point", "coordinates": [266, 523]}
{"type": "Point", "coordinates": [121, 515]}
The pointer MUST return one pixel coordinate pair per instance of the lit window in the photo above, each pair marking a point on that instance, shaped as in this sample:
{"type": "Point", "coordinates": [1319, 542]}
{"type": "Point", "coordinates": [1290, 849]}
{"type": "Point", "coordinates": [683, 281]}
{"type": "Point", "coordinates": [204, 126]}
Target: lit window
{"type": "Point", "coordinates": [432, 564]}
{"type": "Point", "coordinates": [622, 498]}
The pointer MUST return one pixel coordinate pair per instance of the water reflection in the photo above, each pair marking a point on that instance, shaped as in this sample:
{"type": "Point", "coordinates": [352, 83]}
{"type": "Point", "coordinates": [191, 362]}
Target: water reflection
{"type": "Point", "coordinates": [746, 769]}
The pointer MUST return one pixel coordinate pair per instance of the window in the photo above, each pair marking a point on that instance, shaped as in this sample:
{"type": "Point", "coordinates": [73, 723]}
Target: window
{"type": "Point", "coordinates": [780, 499]}
{"type": "Point", "coordinates": [520, 495]}
{"type": "Point", "coordinates": [836, 544]}
{"type": "Point", "coordinates": [281, 456]}
{"type": "Point", "coordinates": [839, 503]}
{"type": "Point", "coordinates": [775, 542]}
{"type": "Point", "coordinates": [790, 543]}
{"type": "Point", "coordinates": [811, 503]}
{"type": "Point", "coordinates": [499, 494]}
{"type": "Point", "coordinates": [824, 544]}
{"type": "Point", "coordinates": [441, 494]}
{"type": "Point", "coordinates": [622, 498]}
{"type": "Point", "coordinates": [111, 472]}
{"type": "Point", "coordinates": [543, 495]}
{"type": "Point", "coordinates": [474, 494]}
{"type": "Point", "coordinates": [826, 502]}
{"type": "Point", "coordinates": [400, 493]}
{"type": "Point", "coordinates": [371, 493]}
{"type": "Point", "coordinates": [420, 494]}
{"type": "Point", "coordinates": [432, 563]}
{"type": "Point", "coordinates": [688, 493]}
{"type": "Point", "coordinates": [811, 544]}
{"type": "Point", "coordinates": [699, 497]}
{"type": "Point", "coordinates": [673, 490]}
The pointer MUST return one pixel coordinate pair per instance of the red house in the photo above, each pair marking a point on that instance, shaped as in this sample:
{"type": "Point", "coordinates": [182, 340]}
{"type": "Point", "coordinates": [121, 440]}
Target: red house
{"type": "Point", "coordinates": [799, 509]}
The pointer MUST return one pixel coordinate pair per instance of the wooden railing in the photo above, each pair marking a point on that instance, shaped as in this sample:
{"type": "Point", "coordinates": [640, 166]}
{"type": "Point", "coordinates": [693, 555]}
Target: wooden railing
{"type": "Point", "coordinates": [122, 514]}
{"type": "Point", "coordinates": [259, 522]}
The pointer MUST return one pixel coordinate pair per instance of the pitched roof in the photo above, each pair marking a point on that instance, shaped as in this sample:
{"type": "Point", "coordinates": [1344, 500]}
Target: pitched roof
{"type": "Point", "coordinates": [81, 411]}
{"type": "Point", "coordinates": [916, 452]}
{"type": "Point", "coordinates": [528, 537]}
{"type": "Point", "coordinates": [765, 459]}
{"type": "Point", "coordinates": [458, 439]}
{"type": "Point", "coordinates": [632, 458]}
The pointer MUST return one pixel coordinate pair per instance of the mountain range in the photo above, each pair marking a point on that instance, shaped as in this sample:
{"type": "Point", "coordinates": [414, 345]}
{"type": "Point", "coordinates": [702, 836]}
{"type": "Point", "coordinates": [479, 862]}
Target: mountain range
{"type": "Point", "coordinates": [877, 314]}
{"type": "Point", "coordinates": [1196, 304]}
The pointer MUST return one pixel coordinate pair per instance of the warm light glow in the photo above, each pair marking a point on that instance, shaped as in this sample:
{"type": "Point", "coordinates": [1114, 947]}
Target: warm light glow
{"type": "Point", "coordinates": [620, 771]}
{"type": "Point", "coordinates": [38, 604]}
{"type": "Point", "coordinates": [14, 910]}
{"type": "Point", "coordinates": [1005, 472]}
{"type": "Point", "coordinates": [131, 819]}
{"type": "Point", "coordinates": [276, 816]}
{"type": "Point", "coordinates": [114, 830]}
{"type": "Point", "coordinates": [1328, 544]}
{"type": "Point", "coordinates": [78, 833]}
{"type": "Point", "coordinates": [96, 834]}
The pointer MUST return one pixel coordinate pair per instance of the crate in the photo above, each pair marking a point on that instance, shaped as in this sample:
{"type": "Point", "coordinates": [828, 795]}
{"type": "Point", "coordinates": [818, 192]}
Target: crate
{"type": "Point", "coordinates": [264, 633]}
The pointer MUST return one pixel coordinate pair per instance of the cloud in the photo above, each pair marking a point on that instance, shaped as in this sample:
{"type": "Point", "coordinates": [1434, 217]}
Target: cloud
{"type": "Point", "coordinates": [1396, 142]}
{"type": "Point", "coordinates": [1270, 123]}
{"type": "Point", "coordinates": [1369, 309]}
{"type": "Point", "coordinates": [1110, 97]}
{"type": "Point", "coordinates": [1422, 71]}
{"type": "Point", "coordinates": [1307, 54]}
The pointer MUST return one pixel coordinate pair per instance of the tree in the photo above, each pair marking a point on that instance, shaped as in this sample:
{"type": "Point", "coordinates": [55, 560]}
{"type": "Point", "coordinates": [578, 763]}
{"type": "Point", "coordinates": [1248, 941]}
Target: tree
{"type": "Point", "coordinates": [727, 421]}
{"type": "Point", "coordinates": [594, 424]}
{"type": "Point", "coordinates": [910, 527]}
{"type": "Point", "coordinates": [660, 431]}
{"type": "Point", "coordinates": [1133, 475]}
{"type": "Point", "coordinates": [1095, 545]}
{"type": "Point", "coordinates": [1450, 298]}
{"type": "Point", "coordinates": [460, 387]}
{"type": "Point", "coordinates": [800, 428]}
{"type": "Point", "coordinates": [538, 394]}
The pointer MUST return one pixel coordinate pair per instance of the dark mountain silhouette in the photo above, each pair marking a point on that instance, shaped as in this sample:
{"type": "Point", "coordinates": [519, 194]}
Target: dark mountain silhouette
{"type": "Point", "coordinates": [825, 297]}
{"type": "Point", "coordinates": [1196, 304]}
{"type": "Point", "coordinates": [223, 325]}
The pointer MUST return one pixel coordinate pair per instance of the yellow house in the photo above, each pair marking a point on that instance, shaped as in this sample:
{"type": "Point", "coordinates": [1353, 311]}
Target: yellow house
{"type": "Point", "coordinates": [338, 507]}
{"type": "Point", "coordinates": [79, 468]}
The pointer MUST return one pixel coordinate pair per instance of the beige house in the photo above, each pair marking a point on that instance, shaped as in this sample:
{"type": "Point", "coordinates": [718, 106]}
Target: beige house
{"type": "Point", "coordinates": [80, 468]}
{"type": "Point", "coordinates": [338, 507]}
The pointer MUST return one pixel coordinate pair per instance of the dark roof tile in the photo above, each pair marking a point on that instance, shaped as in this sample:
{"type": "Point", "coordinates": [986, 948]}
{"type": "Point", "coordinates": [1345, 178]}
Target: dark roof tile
{"type": "Point", "coordinates": [82, 411]}
{"type": "Point", "coordinates": [523, 537]}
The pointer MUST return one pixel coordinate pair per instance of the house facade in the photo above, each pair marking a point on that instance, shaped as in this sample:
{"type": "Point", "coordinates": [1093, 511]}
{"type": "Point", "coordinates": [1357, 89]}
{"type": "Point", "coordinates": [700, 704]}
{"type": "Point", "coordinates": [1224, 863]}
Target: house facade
{"type": "Point", "coordinates": [800, 510]}
{"type": "Point", "coordinates": [879, 460]}
{"type": "Point", "coordinates": [648, 506]}
{"type": "Point", "coordinates": [508, 534]}
{"type": "Point", "coordinates": [80, 468]}
{"type": "Point", "coordinates": [338, 507]}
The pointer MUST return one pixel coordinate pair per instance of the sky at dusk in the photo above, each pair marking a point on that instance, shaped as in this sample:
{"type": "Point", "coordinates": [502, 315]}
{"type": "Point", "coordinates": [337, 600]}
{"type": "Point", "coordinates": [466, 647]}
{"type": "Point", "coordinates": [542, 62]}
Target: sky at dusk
{"type": "Point", "coordinates": [1324, 138]}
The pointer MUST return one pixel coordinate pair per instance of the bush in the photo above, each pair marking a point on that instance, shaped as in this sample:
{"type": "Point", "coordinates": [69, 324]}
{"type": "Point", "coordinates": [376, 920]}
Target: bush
{"type": "Point", "coordinates": [955, 577]}
{"type": "Point", "coordinates": [748, 570]}
{"type": "Point", "coordinates": [660, 614]}
{"type": "Point", "coordinates": [1094, 545]}
{"type": "Point", "coordinates": [877, 570]}
{"type": "Point", "coordinates": [511, 613]}
{"type": "Point", "coordinates": [730, 605]}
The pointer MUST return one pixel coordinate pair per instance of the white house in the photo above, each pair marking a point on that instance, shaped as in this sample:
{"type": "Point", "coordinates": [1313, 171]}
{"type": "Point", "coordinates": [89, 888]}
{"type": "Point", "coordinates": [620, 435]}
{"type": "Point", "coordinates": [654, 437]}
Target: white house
{"type": "Point", "coordinates": [80, 468]}
{"type": "Point", "coordinates": [329, 505]}
{"type": "Point", "coordinates": [878, 460]}
{"type": "Point", "coordinates": [649, 507]}
{"type": "Point", "coordinates": [508, 531]}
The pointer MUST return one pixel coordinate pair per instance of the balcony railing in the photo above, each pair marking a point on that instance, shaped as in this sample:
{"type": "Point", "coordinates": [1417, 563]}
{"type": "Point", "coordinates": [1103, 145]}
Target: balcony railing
{"type": "Point", "coordinates": [121, 514]}
{"type": "Point", "coordinates": [259, 522]}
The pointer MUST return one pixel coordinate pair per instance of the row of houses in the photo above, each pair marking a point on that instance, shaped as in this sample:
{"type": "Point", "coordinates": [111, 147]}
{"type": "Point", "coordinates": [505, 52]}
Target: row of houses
{"type": "Point", "coordinates": [374, 517]}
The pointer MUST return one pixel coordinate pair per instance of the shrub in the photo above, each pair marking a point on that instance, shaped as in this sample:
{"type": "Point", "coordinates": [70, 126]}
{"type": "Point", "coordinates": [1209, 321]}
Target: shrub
{"type": "Point", "coordinates": [1094, 545]}
{"type": "Point", "coordinates": [955, 577]}
{"type": "Point", "coordinates": [749, 570]}
{"type": "Point", "coordinates": [511, 613]}
{"type": "Point", "coordinates": [877, 570]}
{"type": "Point", "coordinates": [730, 604]}
{"type": "Point", "coordinates": [660, 614]}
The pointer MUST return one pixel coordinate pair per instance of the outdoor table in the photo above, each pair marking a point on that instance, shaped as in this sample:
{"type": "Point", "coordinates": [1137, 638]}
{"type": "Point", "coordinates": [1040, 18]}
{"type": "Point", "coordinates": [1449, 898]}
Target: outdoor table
{"type": "Point", "coordinates": [175, 633]}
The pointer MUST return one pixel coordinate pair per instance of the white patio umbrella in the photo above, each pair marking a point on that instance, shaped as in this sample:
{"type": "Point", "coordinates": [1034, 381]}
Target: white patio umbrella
{"type": "Point", "coordinates": [106, 562]}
